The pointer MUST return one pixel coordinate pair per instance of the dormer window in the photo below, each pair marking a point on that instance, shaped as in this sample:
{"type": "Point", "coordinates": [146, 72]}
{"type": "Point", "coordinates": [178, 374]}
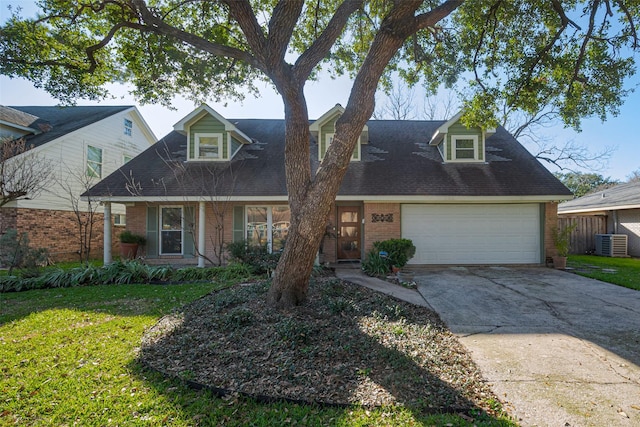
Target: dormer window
{"type": "Point", "coordinates": [329, 140]}
{"type": "Point", "coordinates": [464, 147]}
{"type": "Point", "coordinates": [210, 137]}
{"type": "Point", "coordinates": [458, 143]}
{"type": "Point", "coordinates": [208, 146]}
{"type": "Point", "coordinates": [324, 130]}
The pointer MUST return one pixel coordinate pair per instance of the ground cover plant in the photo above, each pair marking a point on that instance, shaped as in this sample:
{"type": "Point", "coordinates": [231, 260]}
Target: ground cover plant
{"type": "Point", "coordinates": [69, 356]}
{"type": "Point", "coordinates": [619, 271]}
{"type": "Point", "coordinates": [118, 272]}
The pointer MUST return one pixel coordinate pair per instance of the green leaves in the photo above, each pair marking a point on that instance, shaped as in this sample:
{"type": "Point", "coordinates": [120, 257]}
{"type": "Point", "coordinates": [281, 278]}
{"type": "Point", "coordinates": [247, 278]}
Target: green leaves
{"type": "Point", "coordinates": [511, 55]}
{"type": "Point", "coordinates": [536, 54]}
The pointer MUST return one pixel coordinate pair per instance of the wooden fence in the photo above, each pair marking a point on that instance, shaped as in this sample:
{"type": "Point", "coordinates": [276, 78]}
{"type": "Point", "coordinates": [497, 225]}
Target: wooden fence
{"type": "Point", "coordinates": [583, 238]}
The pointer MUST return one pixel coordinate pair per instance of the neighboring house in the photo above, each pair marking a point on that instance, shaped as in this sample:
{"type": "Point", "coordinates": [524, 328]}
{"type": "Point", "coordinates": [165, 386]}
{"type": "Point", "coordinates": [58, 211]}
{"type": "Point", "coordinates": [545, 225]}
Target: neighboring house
{"type": "Point", "coordinates": [620, 205]}
{"type": "Point", "coordinates": [82, 145]}
{"type": "Point", "coordinates": [463, 196]}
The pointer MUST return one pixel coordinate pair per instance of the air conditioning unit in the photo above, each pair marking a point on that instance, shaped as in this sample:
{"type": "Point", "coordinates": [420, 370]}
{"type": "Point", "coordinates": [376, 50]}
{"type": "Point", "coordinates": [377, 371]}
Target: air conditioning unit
{"type": "Point", "coordinates": [614, 245]}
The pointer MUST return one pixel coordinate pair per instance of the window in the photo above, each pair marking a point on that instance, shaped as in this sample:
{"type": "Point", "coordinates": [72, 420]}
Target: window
{"type": "Point", "coordinates": [126, 158]}
{"type": "Point", "coordinates": [171, 230]}
{"type": "Point", "coordinates": [208, 146]}
{"type": "Point", "coordinates": [329, 140]}
{"type": "Point", "coordinates": [120, 219]}
{"type": "Point", "coordinates": [94, 162]}
{"type": "Point", "coordinates": [268, 226]}
{"type": "Point", "coordinates": [128, 127]}
{"type": "Point", "coordinates": [464, 147]}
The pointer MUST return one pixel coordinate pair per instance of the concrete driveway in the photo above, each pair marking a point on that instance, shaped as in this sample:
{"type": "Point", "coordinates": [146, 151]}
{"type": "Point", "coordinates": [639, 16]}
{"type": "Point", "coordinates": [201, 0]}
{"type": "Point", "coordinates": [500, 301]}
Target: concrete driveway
{"type": "Point", "coordinates": [557, 348]}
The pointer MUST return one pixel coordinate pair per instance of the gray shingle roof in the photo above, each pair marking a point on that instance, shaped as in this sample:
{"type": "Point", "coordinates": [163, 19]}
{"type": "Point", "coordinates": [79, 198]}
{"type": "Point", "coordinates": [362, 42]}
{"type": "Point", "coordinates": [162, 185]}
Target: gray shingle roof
{"type": "Point", "coordinates": [396, 161]}
{"type": "Point", "coordinates": [13, 116]}
{"type": "Point", "coordinates": [55, 122]}
{"type": "Point", "coordinates": [622, 195]}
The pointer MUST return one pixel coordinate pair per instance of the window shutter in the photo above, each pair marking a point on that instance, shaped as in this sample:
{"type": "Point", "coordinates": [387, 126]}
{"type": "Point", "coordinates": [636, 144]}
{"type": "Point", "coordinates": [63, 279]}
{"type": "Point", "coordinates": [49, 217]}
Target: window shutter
{"type": "Point", "coordinates": [152, 232]}
{"type": "Point", "coordinates": [189, 248]}
{"type": "Point", "coordinates": [238, 223]}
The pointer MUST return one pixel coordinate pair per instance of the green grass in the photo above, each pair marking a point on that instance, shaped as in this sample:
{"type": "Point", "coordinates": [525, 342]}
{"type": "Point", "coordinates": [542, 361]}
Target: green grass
{"type": "Point", "coordinates": [68, 357]}
{"type": "Point", "coordinates": [627, 272]}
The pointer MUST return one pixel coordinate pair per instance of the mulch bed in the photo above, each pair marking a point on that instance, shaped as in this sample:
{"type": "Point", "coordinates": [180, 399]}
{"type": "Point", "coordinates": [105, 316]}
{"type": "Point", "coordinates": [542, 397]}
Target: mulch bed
{"type": "Point", "coordinates": [346, 345]}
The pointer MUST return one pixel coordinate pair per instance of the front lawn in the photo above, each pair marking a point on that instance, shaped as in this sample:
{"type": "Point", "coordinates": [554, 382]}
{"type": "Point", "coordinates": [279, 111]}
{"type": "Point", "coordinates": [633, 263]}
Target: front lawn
{"type": "Point", "coordinates": [69, 357]}
{"type": "Point", "coordinates": [620, 271]}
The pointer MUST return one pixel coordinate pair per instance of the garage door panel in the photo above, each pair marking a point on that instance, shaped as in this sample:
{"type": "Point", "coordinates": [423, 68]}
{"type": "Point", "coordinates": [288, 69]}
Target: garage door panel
{"type": "Point", "coordinates": [473, 234]}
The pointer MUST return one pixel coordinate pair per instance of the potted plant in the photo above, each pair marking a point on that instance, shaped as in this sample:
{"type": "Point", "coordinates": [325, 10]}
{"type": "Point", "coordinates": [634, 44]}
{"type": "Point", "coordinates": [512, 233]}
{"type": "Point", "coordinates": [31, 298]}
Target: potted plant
{"type": "Point", "coordinates": [129, 243]}
{"type": "Point", "coordinates": [562, 242]}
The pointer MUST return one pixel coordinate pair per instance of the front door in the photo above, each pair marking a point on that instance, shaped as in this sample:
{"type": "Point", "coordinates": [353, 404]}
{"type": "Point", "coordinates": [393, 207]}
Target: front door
{"type": "Point", "coordinates": [349, 233]}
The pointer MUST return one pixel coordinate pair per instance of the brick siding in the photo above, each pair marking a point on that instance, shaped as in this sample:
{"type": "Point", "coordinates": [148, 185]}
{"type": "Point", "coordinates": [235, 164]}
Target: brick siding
{"type": "Point", "coordinates": [57, 231]}
{"type": "Point", "coordinates": [377, 230]}
{"type": "Point", "coordinates": [550, 222]}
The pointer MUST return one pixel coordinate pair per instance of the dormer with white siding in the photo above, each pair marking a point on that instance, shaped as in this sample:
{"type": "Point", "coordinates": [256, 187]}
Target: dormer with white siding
{"type": "Point", "coordinates": [460, 144]}
{"type": "Point", "coordinates": [324, 129]}
{"type": "Point", "coordinates": [210, 137]}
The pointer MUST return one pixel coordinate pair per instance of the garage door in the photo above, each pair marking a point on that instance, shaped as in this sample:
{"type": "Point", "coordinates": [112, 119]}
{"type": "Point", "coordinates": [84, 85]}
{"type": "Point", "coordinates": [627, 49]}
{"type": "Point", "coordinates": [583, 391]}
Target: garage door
{"type": "Point", "coordinates": [473, 234]}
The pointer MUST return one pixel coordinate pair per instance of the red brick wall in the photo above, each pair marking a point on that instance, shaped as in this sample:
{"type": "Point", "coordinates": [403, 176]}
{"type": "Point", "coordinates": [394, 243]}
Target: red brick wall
{"type": "Point", "coordinates": [8, 219]}
{"type": "Point", "coordinates": [550, 221]}
{"type": "Point", "coordinates": [379, 230]}
{"type": "Point", "coordinates": [57, 231]}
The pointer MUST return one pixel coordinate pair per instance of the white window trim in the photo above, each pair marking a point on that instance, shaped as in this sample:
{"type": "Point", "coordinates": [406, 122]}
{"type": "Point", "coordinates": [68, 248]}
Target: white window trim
{"type": "Point", "coordinates": [120, 216]}
{"type": "Point", "coordinates": [329, 140]}
{"type": "Point", "coordinates": [101, 162]}
{"type": "Point", "coordinates": [161, 230]}
{"type": "Point", "coordinates": [196, 150]}
{"type": "Point", "coordinates": [455, 138]}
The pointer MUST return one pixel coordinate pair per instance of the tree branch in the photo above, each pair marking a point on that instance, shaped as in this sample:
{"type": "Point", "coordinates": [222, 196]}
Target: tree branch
{"type": "Point", "coordinates": [157, 25]}
{"type": "Point", "coordinates": [281, 26]}
{"type": "Point", "coordinates": [321, 47]}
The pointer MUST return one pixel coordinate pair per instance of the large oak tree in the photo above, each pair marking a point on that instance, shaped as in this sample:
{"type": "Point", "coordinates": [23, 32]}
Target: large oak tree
{"type": "Point", "coordinates": [573, 54]}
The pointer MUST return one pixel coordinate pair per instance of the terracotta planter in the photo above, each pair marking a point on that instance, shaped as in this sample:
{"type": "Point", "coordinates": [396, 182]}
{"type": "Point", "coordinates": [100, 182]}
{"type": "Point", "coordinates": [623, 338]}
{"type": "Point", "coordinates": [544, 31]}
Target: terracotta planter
{"type": "Point", "coordinates": [128, 250]}
{"type": "Point", "coordinates": [560, 262]}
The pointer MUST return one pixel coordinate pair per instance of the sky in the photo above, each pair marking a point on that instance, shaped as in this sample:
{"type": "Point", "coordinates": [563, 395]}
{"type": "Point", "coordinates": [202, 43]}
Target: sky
{"type": "Point", "coordinates": [621, 132]}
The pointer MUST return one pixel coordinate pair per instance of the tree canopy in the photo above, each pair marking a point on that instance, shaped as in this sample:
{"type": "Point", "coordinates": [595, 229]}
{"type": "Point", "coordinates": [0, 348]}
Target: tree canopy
{"type": "Point", "coordinates": [574, 55]}
{"type": "Point", "coordinates": [585, 183]}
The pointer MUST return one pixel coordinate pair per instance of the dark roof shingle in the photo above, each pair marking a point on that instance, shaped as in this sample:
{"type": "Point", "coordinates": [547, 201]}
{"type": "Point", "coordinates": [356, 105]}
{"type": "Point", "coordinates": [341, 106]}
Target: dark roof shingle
{"type": "Point", "coordinates": [55, 121]}
{"type": "Point", "coordinates": [396, 161]}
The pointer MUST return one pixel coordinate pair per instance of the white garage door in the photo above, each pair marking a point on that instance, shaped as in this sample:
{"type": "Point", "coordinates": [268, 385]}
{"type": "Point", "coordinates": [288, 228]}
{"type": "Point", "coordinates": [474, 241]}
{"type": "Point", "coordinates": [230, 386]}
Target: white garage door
{"type": "Point", "coordinates": [473, 234]}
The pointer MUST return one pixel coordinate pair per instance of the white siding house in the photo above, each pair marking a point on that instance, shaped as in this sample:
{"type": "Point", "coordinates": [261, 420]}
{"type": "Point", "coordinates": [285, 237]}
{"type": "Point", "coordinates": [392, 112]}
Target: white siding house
{"type": "Point", "coordinates": [82, 145]}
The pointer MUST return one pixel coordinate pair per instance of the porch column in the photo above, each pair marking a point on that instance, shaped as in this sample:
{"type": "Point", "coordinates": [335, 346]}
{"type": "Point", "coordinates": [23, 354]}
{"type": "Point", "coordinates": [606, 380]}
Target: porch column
{"type": "Point", "coordinates": [201, 233]}
{"type": "Point", "coordinates": [107, 258]}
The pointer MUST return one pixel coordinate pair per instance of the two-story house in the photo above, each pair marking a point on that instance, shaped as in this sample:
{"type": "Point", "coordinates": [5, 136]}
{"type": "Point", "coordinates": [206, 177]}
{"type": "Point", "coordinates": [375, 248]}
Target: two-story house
{"type": "Point", "coordinates": [80, 145]}
{"type": "Point", "coordinates": [463, 196]}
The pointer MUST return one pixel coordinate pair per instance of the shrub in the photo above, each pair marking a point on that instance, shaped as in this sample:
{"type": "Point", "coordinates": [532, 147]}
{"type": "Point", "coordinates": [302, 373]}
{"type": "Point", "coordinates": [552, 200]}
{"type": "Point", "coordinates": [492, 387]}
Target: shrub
{"type": "Point", "coordinates": [15, 252]}
{"type": "Point", "coordinates": [375, 265]}
{"type": "Point", "coordinates": [258, 257]}
{"type": "Point", "coordinates": [399, 251]}
{"type": "Point", "coordinates": [128, 237]}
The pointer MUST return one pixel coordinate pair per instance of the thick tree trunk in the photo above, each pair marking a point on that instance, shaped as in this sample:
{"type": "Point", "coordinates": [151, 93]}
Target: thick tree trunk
{"type": "Point", "coordinates": [291, 278]}
{"type": "Point", "coordinates": [310, 198]}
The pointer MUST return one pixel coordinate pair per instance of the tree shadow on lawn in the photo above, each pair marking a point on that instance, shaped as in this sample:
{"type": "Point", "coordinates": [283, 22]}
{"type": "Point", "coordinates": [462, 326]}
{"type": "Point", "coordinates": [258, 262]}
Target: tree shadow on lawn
{"type": "Point", "coordinates": [118, 300]}
{"type": "Point", "coordinates": [347, 346]}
